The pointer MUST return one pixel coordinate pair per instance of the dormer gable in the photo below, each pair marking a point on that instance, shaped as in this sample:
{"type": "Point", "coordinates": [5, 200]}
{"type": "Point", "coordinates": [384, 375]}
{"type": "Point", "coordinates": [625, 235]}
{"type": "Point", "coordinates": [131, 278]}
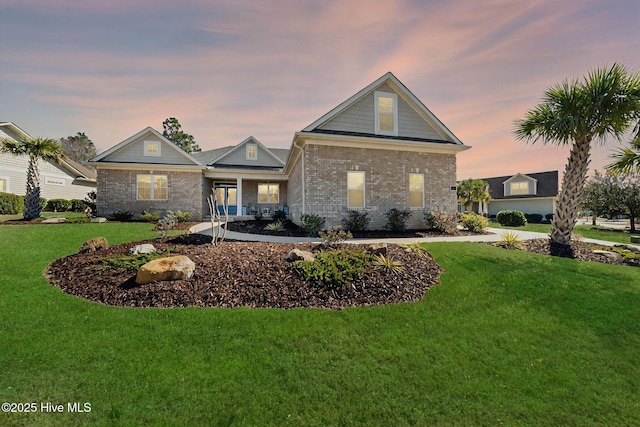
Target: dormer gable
{"type": "Point", "coordinates": [250, 153]}
{"type": "Point", "coordinates": [520, 185]}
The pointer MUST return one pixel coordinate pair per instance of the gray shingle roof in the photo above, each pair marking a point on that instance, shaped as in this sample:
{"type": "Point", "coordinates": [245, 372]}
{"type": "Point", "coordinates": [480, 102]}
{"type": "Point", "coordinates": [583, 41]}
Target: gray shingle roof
{"type": "Point", "coordinates": [547, 185]}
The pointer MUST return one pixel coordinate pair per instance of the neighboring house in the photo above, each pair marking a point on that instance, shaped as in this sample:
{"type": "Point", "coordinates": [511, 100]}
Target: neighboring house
{"type": "Point", "coordinates": [379, 149]}
{"type": "Point", "coordinates": [534, 193]}
{"type": "Point", "coordinates": [66, 180]}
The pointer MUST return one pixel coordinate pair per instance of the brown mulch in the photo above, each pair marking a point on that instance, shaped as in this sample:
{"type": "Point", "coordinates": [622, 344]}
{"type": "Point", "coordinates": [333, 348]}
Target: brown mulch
{"type": "Point", "coordinates": [239, 274]}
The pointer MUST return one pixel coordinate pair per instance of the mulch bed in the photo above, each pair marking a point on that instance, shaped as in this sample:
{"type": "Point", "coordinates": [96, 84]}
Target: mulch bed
{"type": "Point", "coordinates": [239, 274]}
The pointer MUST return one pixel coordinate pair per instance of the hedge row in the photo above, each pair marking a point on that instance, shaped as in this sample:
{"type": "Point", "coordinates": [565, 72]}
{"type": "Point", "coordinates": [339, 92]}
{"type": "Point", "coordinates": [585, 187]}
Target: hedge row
{"type": "Point", "coordinates": [11, 204]}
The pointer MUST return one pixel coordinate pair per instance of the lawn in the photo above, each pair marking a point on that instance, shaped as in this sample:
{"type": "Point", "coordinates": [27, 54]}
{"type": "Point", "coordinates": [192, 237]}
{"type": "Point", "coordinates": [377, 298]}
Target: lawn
{"type": "Point", "coordinates": [587, 231]}
{"type": "Point", "coordinates": [508, 338]}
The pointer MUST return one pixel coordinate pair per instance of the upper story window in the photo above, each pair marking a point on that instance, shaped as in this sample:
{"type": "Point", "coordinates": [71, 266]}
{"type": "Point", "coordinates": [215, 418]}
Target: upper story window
{"type": "Point", "coordinates": [3, 185]}
{"type": "Point", "coordinates": [355, 189]}
{"type": "Point", "coordinates": [252, 152]}
{"type": "Point", "coordinates": [152, 148]}
{"type": "Point", "coordinates": [386, 110]}
{"type": "Point", "coordinates": [519, 188]}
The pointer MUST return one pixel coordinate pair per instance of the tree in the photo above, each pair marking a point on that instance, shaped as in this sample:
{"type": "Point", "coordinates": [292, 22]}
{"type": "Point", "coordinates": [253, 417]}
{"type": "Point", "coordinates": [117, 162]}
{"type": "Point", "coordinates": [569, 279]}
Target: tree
{"type": "Point", "coordinates": [78, 147]}
{"type": "Point", "coordinates": [472, 191]}
{"type": "Point", "coordinates": [602, 195]}
{"type": "Point", "coordinates": [605, 103]}
{"type": "Point", "coordinates": [630, 200]}
{"type": "Point", "coordinates": [36, 149]}
{"type": "Point", "coordinates": [593, 197]}
{"type": "Point", "coordinates": [173, 132]}
{"type": "Point", "coordinates": [627, 159]}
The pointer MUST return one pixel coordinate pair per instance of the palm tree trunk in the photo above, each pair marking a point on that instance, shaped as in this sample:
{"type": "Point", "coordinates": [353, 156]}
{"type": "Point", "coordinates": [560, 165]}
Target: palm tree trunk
{"type": "Point", "coordinates": [32, 207]}
{"type": "Point", "coordinates": [575, 173]}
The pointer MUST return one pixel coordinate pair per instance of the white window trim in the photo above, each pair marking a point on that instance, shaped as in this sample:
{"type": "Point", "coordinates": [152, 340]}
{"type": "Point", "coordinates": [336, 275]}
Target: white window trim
{"type": "Point", "coordinates": [49, 181]}
{"type": "Point", "coordinates": [377, 95]}
{"type": "Point", "coordinates": [255, 146]}
{"type": "Point", "coordinates": [269, 184]}
{"type": "Point", "coordinates": [152, 175]}
{"type": "Point", "coordinates": [146, 148]}
{"type": "Point", "coordinates": [527, 193]}
{"type": "Point", "coordinates": [364, 191]}
{"type": "Point", "coordinates": [421, 192]}
{"type": "Point", "coordinates": [7, 183]}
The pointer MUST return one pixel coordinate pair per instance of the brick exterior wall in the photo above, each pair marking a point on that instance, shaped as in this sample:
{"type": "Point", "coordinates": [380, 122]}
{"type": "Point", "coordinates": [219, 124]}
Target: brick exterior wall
{"type": "Point", "coordinates": [294, 192]}
{"type": "Point", "coordinates": [386, 182]}
{"type": "Point", "coordinates": [117, 192]}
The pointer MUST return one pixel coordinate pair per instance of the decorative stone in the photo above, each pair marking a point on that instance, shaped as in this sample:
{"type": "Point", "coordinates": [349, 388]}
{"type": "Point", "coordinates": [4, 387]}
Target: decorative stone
{"type": "Point", "coordinates": [299, 255]}
{"type": "Point", "coordinates": [93, 245]}
{"type": "Point", "coordinates": [99, 219]}
{"type": "Point", "coordinates": [377, 249]}
{"type": "Point", "coordinates": [630, 248]}
{"type": "Point", "coordinates": [613, 256]}
{"type": "Point", "coordinates": [177, 267]}
{"type": "Point", "coordinates": [54, 220]}
{"type": "Point", "coordinates": [145, 248]}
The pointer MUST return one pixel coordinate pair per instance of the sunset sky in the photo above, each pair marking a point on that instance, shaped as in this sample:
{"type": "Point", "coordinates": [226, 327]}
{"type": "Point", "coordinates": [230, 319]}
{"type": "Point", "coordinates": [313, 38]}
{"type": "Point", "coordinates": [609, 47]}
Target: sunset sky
{"type": "Point", "coordinates": [230, 69]}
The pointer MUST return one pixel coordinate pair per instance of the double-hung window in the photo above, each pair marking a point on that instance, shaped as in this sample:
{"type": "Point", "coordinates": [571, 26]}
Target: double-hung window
{"type": "Point", "coordinates": [152, 187]}
{"type": "Point", "coordinates": [416, 190]}
{"type": "Point", "coordinates": [386, 110]}
{"type": "Point", "coordinates": [268, 193]}
{"type": "Point", "coordinates": [3, 185]}
{"type": "Point", "coordinates": [355, 189]}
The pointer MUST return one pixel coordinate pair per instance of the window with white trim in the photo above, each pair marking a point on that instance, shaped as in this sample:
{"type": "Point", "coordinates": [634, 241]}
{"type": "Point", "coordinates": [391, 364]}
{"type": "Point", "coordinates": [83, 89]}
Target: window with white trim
{"type": "Point", "coordinates": [252, 152]}
{"type": "Point", "coordinates": [355, 189]}
{"type": "Point", "coordinates": [3, 185]}
{"type": "Point", "coordinates": [268, 193]}
{"type": "Point", "coordinates": [386, 110]}
{"type": "Point", "coordinates": [152, 148]}
{"type": "Point", "coordinates": [54, 181]}
{"type": "Point", "coordinates": [519, 187]}
{"type": "Point", "coordinates": [416, 190]}
{"type": "Point", "coordinates": [151, 187]}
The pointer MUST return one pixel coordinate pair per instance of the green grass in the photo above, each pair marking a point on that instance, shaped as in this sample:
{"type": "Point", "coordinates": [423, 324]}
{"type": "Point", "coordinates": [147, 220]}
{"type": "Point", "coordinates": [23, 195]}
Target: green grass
{"type": "Point", "coordinates": [74, 216]}
{"type": "Point", "coordinates": [587, 231]}
{"type": "Point", "coordinates": [508, 338]}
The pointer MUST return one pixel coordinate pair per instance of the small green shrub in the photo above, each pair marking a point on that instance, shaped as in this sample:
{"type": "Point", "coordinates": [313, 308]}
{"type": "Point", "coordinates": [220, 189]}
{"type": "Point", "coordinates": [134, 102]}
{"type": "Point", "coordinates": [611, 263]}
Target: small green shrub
{"type": "Point", "coordinates": [150, 216]}
{"type": "Point", "coordinates": [474, 223]}
{"type": "Point", "coordinates": [333, 269]}
{"type": "Point", "coordinates": [510, 218]}
{"type": "Point", "coordinates": [121, 263]}
{"type": "Point", "coordinates": [58, 205]}
{"type": "Point", "coordinates": [122, 216]}
{"type": "Point", "coordinates": [533, 218]}
{"type": "Point", "coordinates": [78, 205]}
{"type": "Point", "coordinates": [510, 240]}
{"type": "Point", "coordinates": [279, 215]}
{"type": "Point", "coordinates": [356, 221]}
{"type": "Point", "coordinates": [11, 204]}
{"type": "Point", "coordinates": [90, 201]}
{"type": "Point", "coordinates": [443, 222]}
{"type": "Point", "coordinates": [388, 264]}
{"type": "Point", "coordinates": [333, 236]}
{"type": "Point", "coordinates": [275, 226]}
{"type": "Point", "coordinates": [397, 219]}
{"type": "Point", "coordinates": [166, 223]}
{"type": "Point", "coordinates": [312, 224]}
{"type": "Point", "coordinates": [182, 216]}
{"type": "Point", "coordinates": [549, 217]}
{"type": "Point", "coordinates": [416, 248]}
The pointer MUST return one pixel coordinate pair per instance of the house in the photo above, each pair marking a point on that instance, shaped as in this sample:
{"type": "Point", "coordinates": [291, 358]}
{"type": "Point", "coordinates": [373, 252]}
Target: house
{"type": "Point", "coordinates": [380, 149]}
{"type": "Point", "coordinates": [64, 180]}
{"type": "Point", "coordinates": [534, 193]}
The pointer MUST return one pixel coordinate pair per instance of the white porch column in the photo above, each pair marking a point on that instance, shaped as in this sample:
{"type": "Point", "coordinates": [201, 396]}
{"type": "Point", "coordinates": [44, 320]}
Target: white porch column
{"type": "Point", "coordinates": [239, 195]}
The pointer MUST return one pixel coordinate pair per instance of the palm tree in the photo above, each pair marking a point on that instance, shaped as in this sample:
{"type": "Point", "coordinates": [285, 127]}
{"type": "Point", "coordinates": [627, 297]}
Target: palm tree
{"type": "Point", "coordinates": [606, 103]}
{"type": "Point", "coordinates": [628, 159]}
{"type": "Point", "coordinates": [36, 149]}
{"type": "Point", "coordinates": [472, 190]}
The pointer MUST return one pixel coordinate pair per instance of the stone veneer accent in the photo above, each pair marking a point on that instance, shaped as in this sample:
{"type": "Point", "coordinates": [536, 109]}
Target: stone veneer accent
{"type": "Point", "coordinates": [184, 193]}
{"type": "Point", "coordinates": [386, 182]}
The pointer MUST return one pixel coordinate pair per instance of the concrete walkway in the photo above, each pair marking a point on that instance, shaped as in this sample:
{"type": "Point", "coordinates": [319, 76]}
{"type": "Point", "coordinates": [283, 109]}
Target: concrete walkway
{"type": "Point", "coordinates": [494, 236]}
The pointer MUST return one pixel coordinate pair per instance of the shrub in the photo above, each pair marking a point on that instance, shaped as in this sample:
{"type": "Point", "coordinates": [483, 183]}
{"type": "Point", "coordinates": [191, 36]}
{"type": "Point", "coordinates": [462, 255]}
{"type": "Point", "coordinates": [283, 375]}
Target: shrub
{"type": "Point", "coordinates": [275, 226]}
{"type": "Point", "coordinates": [78, 205]}
{"type": "Point", "coordinates": [510, 240]}
{"type": "Point", "coordinates": [397, 219]}
{"type": "Point", "coordinates": [443, 222]}
{"type": "Point", "coordinates": [312, 223]}
{"type": "Point", "coordinates": [333, 236]}
{"type": "Point", "coordinates": [58, 205]}
{"type": "Point", "coordinates": [474, 223]}
{"type": "Point", "coordinates": [122, 216]}
{"type": "Point", "coordinates": [150, 216]}
{"type": "Point", "coordinates": [533, 218]}
{"type": "Point", "coordinates": [511, 219]}
{"type": "Point", "coordinates": [279, 215]}
{"type": "Point", "coordinates": [11, 204]}
{"type": "Point", "coordinates": [333, 269]}
{"type": "Point", "coordinates": [182, 216]}
{"type": "Point", "coordinates": [356, 221]}
{"type": "Point", "coordinates": [388, 264]}
{"type": "Point", "coordinates": [43, 203]}
{"type": "Point", "coordinates": [166, 223]}
{"type": "Point", "coordinates": [416, 248]}
{"type": "Point", "coordinates": [90, 200]}
{"type": "Point", "coordinates": [549, 217]}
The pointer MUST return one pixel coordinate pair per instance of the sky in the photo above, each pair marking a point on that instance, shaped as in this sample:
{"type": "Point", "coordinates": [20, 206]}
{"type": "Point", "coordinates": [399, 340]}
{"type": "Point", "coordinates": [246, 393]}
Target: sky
{"type": "Point", "coordinates": [230, 69]}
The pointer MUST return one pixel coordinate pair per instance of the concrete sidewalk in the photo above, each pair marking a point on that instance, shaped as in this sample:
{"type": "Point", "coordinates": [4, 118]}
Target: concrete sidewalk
{"type": "Point", "coordinates": [493, 236]}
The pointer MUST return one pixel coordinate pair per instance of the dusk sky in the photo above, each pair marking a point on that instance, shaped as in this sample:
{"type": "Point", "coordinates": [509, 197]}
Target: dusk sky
{"type": "Point", "coordinates": [230, 69]}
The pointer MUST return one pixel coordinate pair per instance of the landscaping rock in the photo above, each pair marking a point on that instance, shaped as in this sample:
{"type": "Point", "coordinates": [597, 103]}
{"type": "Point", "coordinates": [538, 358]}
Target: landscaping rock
{"type": "Point", "coordinates": [630, 248]}
{"type": "Point", "coordinates": [99, 219]}
{"type": "Point", "coordinates": [145, 248]}
{"type": "Point", "coordinates": [613, 256]}
{"type": "Point", "coordinates": [55, 220]}
{"type": "Point", "coordinates": [94, 245]}
{"type": "Point", "coordinates": [178, 267]}
{"type": "Point", "coordinates": [377, 249]}
{"type": "Point", "coordinates": [635, 239]}
{"type": "Point", "coordinates": [298, 255]}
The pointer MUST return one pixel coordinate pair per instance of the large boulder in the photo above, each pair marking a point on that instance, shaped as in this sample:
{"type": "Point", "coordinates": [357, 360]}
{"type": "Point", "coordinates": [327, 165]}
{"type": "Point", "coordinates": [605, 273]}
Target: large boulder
{"type": "Point", "coordinates": [55, 220]}
{"type": "Point", "coordinates": [177, 267]}
{"type": "Point", "coordinates": [613, 256]}
{"type": "Point", "coordinates": [94, 245]}
{"type": "Point", "coordinates": [299, 255]}
{"type": "Point", "coordinates": [145, 248]}
{"type": "Point", "coordinates": [377, 249]}
{"type": "Point", "coordinates": [630, 248]}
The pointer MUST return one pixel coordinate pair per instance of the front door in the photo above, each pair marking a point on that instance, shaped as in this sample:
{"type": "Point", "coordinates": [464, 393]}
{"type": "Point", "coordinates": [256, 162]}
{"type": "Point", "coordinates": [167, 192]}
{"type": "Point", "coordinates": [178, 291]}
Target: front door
{"type": "Point", "coordinates": [227, 194]}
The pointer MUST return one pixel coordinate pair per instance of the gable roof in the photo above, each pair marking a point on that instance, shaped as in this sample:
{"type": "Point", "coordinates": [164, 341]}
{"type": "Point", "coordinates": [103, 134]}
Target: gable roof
{"type": "Point", "coordinates": [402, 91]}
{"type": "Point", "coordinates": [235, 157]}
{"type": "Point", "coordinates": [547, 185]}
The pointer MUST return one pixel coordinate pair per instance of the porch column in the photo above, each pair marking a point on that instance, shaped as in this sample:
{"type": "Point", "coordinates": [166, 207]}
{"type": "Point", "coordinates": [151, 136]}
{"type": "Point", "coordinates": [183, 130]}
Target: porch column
{"type": "Point", "coordinates": [239, 195]}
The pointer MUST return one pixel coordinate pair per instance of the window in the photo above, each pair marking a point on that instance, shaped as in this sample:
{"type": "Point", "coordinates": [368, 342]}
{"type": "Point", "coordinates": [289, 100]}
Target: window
{"type": "Point", "coordinates": [386, 106]}
{"type": "Point", "coordinates": [416, 190]}
{"type": "Point", "coordinates": [152, 148]}
{"type": "Point", "coordinates": [355, 189]}
{"type": "Point", "coordinates": [252, 152]}
{"type": "Point", "coordinates": [3, 185]}
{"type": "Point", "coordinates": [268, 193]}
{"type": "Point", "coordinates": [54, 181]}
{"type": "Point", "coordinates": [519, 188]}
{"type": "Point", "coordinates": [152, 187]}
